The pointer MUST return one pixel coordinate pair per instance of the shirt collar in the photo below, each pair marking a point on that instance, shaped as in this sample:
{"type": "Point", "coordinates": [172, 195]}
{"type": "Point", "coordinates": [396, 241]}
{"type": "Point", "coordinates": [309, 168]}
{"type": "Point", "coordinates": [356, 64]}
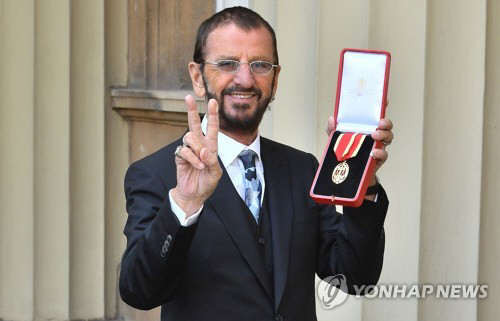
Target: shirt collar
{"type": "Point", "coordinates": [228, 148]}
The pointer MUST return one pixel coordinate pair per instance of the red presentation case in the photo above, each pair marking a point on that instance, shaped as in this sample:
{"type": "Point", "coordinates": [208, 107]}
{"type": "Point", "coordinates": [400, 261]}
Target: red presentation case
{"type": "Point", "coordinates": [360, 103]}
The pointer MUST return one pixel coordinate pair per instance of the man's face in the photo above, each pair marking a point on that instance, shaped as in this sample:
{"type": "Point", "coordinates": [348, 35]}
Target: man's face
{"type": "Point", "coordinates": [243, 96]}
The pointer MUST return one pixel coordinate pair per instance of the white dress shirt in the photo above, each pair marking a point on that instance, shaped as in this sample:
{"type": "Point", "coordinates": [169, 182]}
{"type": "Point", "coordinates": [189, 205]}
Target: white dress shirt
{"type": "Point", "coordinates": [228, 151]}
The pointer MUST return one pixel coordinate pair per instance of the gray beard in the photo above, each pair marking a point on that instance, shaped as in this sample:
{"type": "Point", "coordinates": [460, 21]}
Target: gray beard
{"type": "Point", "coordinates": [242, 126]}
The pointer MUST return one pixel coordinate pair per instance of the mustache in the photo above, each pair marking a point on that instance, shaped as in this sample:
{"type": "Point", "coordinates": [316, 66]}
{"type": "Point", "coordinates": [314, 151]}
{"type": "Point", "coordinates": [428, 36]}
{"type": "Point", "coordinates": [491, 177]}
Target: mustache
{"type": "Point", "coordinates": [239, 89]}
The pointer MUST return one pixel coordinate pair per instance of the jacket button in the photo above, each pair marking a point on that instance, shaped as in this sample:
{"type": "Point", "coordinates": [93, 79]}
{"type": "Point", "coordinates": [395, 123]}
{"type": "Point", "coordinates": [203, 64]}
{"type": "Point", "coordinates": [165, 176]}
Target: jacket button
{"type": "Point", "coordinates": [279, 317]}
{"type": "Point", "coordinates": [262, 240]}
{"type": "Point", "coordinates": [166, 246]}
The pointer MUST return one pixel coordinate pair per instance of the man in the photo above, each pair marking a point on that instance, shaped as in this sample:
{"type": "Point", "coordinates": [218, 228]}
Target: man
{"type": "Point", "coordinates": [221, 226]}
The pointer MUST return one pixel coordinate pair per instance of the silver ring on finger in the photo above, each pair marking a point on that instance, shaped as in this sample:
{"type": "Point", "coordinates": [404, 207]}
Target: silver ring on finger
{"type": "Point", "coordinates": [184, 144]}
{"type": "Point", "coordinates": [386, 143]}
{"type": "Point", "coordinates": [177, 152]}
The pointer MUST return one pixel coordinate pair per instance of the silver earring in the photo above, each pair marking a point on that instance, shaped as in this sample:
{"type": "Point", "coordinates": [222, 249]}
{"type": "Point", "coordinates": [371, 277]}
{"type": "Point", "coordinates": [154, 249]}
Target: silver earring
{"type": "Point", "coordinates": [269, 106]}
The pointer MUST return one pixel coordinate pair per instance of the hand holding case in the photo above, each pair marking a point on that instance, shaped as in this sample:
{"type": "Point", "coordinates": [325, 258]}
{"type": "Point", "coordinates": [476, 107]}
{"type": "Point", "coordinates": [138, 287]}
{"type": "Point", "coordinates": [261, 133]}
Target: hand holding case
{"type": "Point", "coordinates": [360, 103]}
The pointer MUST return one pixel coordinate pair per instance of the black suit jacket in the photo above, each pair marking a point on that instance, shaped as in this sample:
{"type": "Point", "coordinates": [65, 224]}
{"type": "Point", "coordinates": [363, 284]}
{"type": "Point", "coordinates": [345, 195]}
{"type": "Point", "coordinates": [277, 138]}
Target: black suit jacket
{"type": "Point", "coordinates": [213, 270]}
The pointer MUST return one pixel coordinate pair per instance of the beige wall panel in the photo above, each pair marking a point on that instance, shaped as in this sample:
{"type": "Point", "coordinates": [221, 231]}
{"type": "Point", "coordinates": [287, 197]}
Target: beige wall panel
{"type": "Point", "coordinates": [87, 159]}
{"type": "Point", "coordinates": [148, 132]}
{"type": "Point", "coordinates": [52, 25]}
{"type": "Point", "coordinates": [294, 108]}
{"type": "Point", "coordinates": [400, 28]}
{"type": "Point", "coordinates": [16, 160]}
{"type": "Point", "coordinates": [452, 152]}
{"type": "Point", "coordinates": [489, 253]}
{"type": "Point", "coordinates": [147, 136]}
{"type": "Point", "coordinates": [341, 25]}
{"type": "Point", "coordinates": [116, 149]}
{"type": "Point", "coordinates": [267, 9]}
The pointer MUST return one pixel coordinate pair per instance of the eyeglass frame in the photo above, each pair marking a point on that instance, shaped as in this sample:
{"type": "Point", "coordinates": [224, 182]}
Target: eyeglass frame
{"type": "Point", "coordinates": [216, 63]}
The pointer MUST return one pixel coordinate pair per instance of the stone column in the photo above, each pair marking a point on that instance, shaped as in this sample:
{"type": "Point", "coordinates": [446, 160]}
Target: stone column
{"type": "Point", "coordinates": [16, 160]}
{"type": "Point", "coordinates": [116, 149]}
{"type": "Point", "coordinates": [294, 109]}
{"type": "Point", "coordinates": [87, 160]}
{"type": "Point", "coordinates": [489, 251]}
{"type": "Point", "coordinates": [452, 153]}
{"type": "Point", "coordinates": [52, 166]}
{"type": "Point", "coordinates": [400, 28]}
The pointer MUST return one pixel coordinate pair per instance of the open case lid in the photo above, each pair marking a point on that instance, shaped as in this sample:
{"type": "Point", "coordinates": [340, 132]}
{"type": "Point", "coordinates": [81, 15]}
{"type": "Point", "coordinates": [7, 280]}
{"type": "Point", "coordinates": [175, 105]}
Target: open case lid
{"type": "Point", "coordinates": [361, 90]}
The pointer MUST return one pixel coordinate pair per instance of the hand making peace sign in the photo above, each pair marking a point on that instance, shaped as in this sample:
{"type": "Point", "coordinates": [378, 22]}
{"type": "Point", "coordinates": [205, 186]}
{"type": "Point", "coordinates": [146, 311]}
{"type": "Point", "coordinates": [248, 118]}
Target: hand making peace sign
{"type": "Point", "coordinates": [198, 168]}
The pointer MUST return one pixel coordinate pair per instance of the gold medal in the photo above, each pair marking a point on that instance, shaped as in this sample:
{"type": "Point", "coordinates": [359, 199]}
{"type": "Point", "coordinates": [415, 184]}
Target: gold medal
{"type": "Point", "coordinates": [347, 146]}
{"type": "Point", "coordinates": [340, 172]}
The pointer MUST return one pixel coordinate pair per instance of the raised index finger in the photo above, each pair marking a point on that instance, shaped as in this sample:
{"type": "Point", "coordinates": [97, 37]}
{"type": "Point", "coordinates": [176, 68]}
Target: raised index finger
{"type": "Point", "coordinates": [193, 116]}
{"type": "Point", "coordinates": [213, 121]}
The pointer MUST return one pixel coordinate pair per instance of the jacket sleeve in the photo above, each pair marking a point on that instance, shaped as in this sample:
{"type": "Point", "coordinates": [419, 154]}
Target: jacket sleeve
{"type": "Point", "coordinates": [352, 243]}
{"type": "Point", "coordinates": [156, 243]}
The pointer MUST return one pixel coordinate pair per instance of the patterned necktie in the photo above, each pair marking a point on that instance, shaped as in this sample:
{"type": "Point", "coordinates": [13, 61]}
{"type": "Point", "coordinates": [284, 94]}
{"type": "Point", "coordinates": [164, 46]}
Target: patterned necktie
{"type": "Point", "coordinates": [253, 188]}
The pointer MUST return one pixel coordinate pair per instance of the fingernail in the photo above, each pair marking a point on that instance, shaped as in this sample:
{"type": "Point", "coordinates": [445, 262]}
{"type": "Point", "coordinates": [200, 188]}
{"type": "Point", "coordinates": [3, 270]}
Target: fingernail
{"type": "Point", "coordinates": [371, 154]}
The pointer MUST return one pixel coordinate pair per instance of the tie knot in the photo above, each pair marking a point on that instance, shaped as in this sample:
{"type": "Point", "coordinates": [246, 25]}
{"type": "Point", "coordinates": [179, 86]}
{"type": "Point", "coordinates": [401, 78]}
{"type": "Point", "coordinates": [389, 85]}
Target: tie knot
{"type": "Point", "coordinates": [247, 156]}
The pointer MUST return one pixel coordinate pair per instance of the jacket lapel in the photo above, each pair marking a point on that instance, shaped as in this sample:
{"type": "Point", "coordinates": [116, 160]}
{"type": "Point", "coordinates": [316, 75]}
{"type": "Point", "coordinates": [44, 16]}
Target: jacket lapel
{"type": "Point", "coordinates": [278, 187]}
{"type": "Point", "coordinates": [231, 209]}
